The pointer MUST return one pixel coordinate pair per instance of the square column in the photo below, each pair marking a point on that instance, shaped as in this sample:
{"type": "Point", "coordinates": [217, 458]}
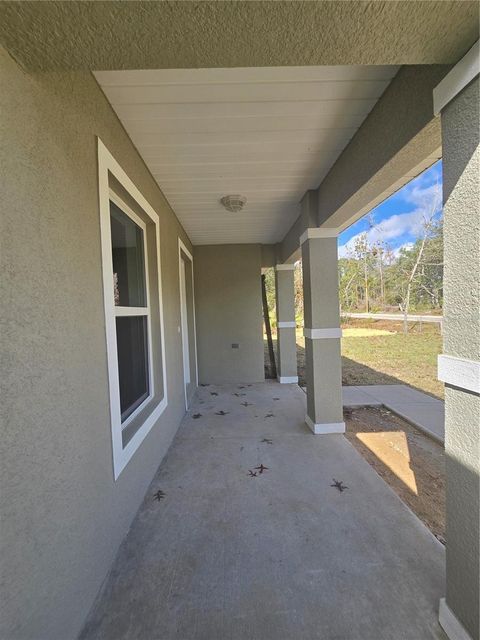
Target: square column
{"type": "Point", "coordinates": [322, 331]}
{"type": "Point", "coordinates": [286, 338]}
{"type": "Point", "coordinates": [457, 98]}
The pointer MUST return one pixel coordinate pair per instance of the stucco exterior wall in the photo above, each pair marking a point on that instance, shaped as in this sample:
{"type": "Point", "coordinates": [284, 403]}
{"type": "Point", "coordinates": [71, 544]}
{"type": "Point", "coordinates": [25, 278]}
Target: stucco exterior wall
{"type": "Point", "coordinates": [461, 170]}
{"type": "Point", "coordinates": [285, 307]}
{"type": "Point", "coordinates": [321, 311]}
{"type": "Point", "coordinates": [213, 33]}
{"type": "Point", "coordinates": [63, 516]}
{"type": "Point", "coordinates": [289, 249]}
{"type": "Point", "coordinates": [229, 311]}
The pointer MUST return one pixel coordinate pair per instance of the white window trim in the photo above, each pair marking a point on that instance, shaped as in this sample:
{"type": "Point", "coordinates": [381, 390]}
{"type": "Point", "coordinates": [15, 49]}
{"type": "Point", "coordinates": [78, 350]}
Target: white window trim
{"type": "Point", "coordinates": [183, 248]}
{"type": "Point", "coordinates": [121, 456]}
{"type": "Point", "coordinates": [136, 311]}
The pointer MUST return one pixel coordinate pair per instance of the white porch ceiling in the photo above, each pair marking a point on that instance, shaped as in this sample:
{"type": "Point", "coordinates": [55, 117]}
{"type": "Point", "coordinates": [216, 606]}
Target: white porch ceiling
{"type": "Point", "coordinates": [267, 133]}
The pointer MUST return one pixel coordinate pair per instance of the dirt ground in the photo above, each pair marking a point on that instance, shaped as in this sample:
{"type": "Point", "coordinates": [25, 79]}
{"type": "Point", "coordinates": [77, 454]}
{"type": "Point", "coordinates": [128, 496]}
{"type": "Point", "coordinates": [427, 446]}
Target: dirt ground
{"type": "Point", "coordinates": [409, 461]}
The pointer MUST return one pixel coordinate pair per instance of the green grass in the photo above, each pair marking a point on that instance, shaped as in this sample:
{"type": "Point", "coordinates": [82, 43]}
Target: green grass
{"type": "Point", "coordinates": [388, 359]}
{"type": "Point", "coordinates": [410, 359]}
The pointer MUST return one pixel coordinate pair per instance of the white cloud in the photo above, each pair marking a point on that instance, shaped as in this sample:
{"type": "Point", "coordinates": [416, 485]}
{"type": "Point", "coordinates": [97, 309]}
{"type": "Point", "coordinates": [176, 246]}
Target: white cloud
{"type": "Point", "coordinates": [346, 249]}
{"type": "Point", "coordinates": [427, 200]}
{"type": "Point", "coordinates": [425, 196]}
{"type": "Point", "coordinates": [407, 245]}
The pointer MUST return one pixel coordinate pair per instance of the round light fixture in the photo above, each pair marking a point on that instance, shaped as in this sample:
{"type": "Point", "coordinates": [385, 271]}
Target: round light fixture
{"type": "Point", "coordinates": [233, 203]}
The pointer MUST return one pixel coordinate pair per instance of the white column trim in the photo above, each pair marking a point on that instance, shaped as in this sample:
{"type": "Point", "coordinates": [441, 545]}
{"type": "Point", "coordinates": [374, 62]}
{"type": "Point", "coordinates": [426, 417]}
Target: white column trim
{"type": "Point", "coordinates": [320, 428]}
{"type": "Point", "coordinates": [450, 623]}
{"type": "Point", "coordinates": [459, 372]}
{"type": "Point", "coordinates": [457, 78]}
{"type": "Point", "coordinates": [288, 379]}
{"type": "Point", "coordinates": [284, 267]}
{"type": "Point", "coordinates": [286, 325]}
{"type": "Point", "coordinates": [316, 334]}
{"type": "Point", "coordinates": [321, 232]}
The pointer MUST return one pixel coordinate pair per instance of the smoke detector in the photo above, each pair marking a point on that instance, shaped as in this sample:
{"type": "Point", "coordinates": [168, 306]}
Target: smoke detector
{"type": "Point", "coordinates": [233, 203]}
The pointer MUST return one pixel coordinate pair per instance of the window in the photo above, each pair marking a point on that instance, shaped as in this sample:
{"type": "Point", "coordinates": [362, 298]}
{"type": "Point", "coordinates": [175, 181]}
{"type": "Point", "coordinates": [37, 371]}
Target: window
{"type": "Point", "coordinates": [133, 309]}
{"type": "Point", "coordinates": [132, 316]}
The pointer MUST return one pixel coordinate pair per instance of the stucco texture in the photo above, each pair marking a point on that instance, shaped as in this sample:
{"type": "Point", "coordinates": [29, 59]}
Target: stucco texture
{"type": "Point", "coordinates": [321, 311]}
{"type": "Point", "coordinates": [461, 176]}
{"type": "Point", "coordinates": [461, 189]}
{"type": "Point", "coordinates": [286, 336]}
{"type": "Point", "coordinates": [181, 34]}
{"type": "Point", "coordinates": [63, 516]}
{"type": "Point", "coordinates": [229, 311]}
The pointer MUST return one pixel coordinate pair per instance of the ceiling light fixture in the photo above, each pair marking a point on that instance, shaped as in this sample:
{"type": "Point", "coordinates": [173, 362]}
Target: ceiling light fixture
{"type": "Point", "coordinates": [233, 203]}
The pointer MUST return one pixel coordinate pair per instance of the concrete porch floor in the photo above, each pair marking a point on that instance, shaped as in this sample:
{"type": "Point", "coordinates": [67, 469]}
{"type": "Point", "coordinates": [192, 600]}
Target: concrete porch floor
{"type": "Point", "coordinates": [280, 556]}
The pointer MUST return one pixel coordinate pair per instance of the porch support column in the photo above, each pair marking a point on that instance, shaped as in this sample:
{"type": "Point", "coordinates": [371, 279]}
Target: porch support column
{"type": "Point", "coordinates": [286, 340]}
{"type": "Point", "coordinates": [457, 98]}
{"type": "Point", "coordinates": [322, 331]}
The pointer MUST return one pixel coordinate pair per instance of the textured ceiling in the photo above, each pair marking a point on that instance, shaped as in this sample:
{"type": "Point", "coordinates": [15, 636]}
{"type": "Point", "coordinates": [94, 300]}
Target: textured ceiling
{"type": "Point", "coordinates": [268, 134]}
{"type": "Point", "coordinates": [184, 34]}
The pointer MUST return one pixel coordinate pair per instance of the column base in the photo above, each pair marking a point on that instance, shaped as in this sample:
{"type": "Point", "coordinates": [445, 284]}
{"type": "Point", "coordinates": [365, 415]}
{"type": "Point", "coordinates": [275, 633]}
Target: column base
{"type": "Point", "coordinates": [320, 428]}
{"type": "Point", "coordinates": [450, 623]}
{"type": "Point", "coordinates": [288, 379]}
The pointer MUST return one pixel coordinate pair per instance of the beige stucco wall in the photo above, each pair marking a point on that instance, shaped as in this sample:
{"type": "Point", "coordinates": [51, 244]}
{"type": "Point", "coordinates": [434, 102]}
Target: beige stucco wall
{"type": "Point", "coordinates": [229, 310]}
{"type": "Point", "coordinates": [63, 516]}
{"type": "Point", "coordinates": [461, 170]}
{"type": "Point", "coordinates": [213, 33]}
{"type": "Point", "coordinates": [321, 311]}
{"type": "Point", "coordinates": [285, 308]}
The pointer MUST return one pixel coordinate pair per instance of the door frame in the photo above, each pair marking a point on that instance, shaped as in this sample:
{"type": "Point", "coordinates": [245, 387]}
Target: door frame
{"type": "Point", "coordinates": [184, 321]}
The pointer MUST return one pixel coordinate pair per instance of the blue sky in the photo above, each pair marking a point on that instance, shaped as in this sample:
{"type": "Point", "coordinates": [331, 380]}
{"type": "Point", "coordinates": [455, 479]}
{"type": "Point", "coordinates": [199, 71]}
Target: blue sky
{"type": "Point", "coordinates": [398, 220]}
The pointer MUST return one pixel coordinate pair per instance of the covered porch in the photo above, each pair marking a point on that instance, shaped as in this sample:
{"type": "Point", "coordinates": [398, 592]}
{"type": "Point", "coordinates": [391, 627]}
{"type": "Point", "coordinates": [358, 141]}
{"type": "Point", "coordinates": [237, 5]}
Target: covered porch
{"type": "Point", "coordinates": [276, 556]}
{"type": "Point", "coordinates": [133, 319]}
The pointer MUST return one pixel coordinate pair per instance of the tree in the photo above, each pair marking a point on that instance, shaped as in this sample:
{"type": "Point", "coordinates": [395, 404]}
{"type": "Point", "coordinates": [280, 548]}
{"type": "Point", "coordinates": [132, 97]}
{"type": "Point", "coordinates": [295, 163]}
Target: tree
{"type": "Point", "coordinates": [365, 254]}
{"type": "Point", "coordinates": [412, 263]}
{"type": "Point", "coordinates": [372, 276]}
{"type": "Point", "coordinates": [270, 289]}
{"type": "Point", "coordinates": [430, 285]}
{"type": "Point", "coordinates": [348, 273]}
{"type": "Point", "coordinates": [298, 286]}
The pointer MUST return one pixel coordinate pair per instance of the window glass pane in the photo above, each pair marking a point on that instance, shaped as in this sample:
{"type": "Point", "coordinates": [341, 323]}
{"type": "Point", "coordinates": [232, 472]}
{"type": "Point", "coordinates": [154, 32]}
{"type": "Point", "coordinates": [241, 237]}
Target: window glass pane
{"type": "Point", "coordinates": [128, 260]}
{"type": "Point", "coordinates": [132, 350]}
